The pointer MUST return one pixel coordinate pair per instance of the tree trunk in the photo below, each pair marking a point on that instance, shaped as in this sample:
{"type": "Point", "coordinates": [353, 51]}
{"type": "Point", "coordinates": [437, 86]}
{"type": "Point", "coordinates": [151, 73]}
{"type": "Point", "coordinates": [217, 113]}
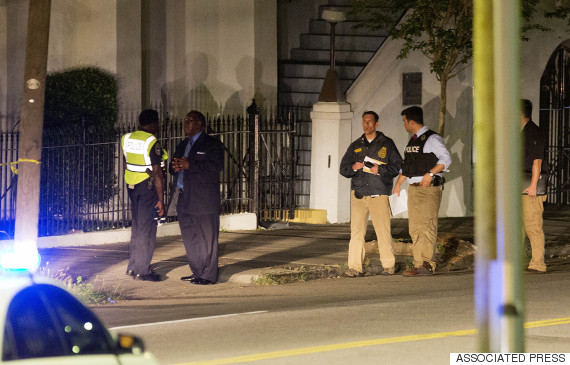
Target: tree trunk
{"type": "Point", "coordinates": [442, 105]}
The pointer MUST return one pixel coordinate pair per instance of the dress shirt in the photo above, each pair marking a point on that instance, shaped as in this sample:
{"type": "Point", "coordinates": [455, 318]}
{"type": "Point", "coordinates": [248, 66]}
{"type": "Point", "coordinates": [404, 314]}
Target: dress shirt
{"type": "Point", "coordinates": [180, 180]}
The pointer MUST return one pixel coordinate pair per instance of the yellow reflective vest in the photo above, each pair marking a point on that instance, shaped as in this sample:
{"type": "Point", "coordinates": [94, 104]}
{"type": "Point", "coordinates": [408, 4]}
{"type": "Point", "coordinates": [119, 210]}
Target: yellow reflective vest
{"type": "Point", "coordinates": [136, 149]}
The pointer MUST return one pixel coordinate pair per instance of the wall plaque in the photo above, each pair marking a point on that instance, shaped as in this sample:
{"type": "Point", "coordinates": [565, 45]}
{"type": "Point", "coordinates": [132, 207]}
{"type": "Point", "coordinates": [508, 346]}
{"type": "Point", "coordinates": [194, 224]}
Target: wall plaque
{"type": "Point", "coordinates": [412, 88]}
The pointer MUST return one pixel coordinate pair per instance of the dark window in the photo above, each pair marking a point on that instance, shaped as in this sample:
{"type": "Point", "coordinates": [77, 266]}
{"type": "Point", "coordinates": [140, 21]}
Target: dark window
{"type": "Point", "coordinates": [412, 88]}
{"type": "Point", "coordinates": [82, 330]}
{"type": "Point", "coordinates": [44, 321]}
{"type": "Point", "coordinates": [30, 331]}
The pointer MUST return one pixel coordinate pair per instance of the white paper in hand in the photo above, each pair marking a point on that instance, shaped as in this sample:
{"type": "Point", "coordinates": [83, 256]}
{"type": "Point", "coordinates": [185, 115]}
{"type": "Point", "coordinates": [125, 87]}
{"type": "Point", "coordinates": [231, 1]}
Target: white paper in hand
{"type": "Point", "coordinates": [398, 204]}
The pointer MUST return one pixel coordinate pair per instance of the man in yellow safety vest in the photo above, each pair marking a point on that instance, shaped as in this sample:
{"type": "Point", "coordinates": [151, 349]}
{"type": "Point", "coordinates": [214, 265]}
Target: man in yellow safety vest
{"type": "Point", "coordinates": [143, 175]}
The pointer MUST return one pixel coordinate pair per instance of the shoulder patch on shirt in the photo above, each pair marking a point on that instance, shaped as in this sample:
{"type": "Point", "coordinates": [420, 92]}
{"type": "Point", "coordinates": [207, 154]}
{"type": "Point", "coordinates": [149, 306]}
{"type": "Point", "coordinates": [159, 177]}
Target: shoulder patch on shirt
{"type": "Point", "coordinates": [358, 150]}
{"type": "Point", "coordinates": [423, 137]}
{"type": "Point", "coordinates": [157, 149]}
{"type": "Point", "coordinates": [382, 152]}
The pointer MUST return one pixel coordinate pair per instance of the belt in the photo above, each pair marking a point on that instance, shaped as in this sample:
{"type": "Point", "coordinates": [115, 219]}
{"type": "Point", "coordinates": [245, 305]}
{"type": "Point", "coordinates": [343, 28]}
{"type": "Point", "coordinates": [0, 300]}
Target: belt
{"type": "Point", "coordinates": [359, 196]}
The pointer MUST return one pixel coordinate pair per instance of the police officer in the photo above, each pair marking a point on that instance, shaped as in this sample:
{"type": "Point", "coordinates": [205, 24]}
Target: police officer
{"type": "Point", "coordinates": [425, 158]}
{"type": "Point", "coordinates": [143, 175]}
{"type": "Point", "coordinates": [371, 162]}
{"type": "Point", "coordinates": [533, 199]}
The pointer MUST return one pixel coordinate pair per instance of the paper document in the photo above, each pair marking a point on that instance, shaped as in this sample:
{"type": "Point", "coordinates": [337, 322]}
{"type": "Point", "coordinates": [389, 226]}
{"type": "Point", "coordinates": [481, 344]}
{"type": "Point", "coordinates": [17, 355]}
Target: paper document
{"type": "Point", "coordinates": [398, 204]}
{"type": "Point", "coordinates": [370, 159]}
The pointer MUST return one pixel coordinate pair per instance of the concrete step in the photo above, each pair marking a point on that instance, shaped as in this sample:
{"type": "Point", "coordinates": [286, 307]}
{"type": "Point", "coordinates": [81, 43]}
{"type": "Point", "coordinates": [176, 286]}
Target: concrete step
{"type": "Point", "coordinates": [346, 71]}
{"type": "Point", "coordinates": [306, 99]}
{"type": "Point", "coordinates": [319, 26]}
{"type": "Point", "coordinates": [342, 42]}
{"type": "Point", "coordinates": [340, 2]}
{"type": "Point", "coordinates": [323, 55]}
{"type": "Point", "coordinates": [341, 6]}
{"type": "Point", "coordinates": [291, 84]}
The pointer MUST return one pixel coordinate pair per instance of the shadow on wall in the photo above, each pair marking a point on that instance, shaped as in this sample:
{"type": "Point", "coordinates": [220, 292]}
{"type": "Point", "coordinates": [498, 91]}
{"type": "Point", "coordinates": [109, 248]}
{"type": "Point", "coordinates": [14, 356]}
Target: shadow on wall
{"type": "Point", "coordinates": [249, 72]}
{"type": "Point", "coordinates": [457, 197]}
{"type": "Point", "coordinates": [199, 90]}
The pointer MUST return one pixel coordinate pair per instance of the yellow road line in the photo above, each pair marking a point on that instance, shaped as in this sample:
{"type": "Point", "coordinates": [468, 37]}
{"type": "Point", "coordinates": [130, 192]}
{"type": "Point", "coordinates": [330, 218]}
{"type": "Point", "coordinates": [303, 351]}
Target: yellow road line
{"type": "Point", "coordinates": [356, 344]}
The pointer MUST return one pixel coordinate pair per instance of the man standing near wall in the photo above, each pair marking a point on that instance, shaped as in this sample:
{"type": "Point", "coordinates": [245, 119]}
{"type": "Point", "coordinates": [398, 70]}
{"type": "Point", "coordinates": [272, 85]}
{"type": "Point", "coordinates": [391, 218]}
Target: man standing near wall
{"type": "Point", "coordinates": [143, 175]}
{"type": "Point", "coordinates": [425, 158]}
{"type": "Point", "coordinates": [197, 163]}
{"type": "Point", "coordinates": [371, 162]}
{"type": "Point", "coordinates": [534, 194]}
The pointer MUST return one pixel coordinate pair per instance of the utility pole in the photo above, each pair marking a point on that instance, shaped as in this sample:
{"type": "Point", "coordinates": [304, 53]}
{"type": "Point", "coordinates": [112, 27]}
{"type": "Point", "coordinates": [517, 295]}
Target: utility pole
{"type": "Point", "coordinates": [499, 300]}
{"type": "Point", "coordinates": [31, 127]}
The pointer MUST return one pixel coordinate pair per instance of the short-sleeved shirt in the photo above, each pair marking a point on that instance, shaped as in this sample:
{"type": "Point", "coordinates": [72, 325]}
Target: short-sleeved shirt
{"type": "Point", "coordinates": [156, 154]}
{"type": "Point", "coordinates": [534, 145]}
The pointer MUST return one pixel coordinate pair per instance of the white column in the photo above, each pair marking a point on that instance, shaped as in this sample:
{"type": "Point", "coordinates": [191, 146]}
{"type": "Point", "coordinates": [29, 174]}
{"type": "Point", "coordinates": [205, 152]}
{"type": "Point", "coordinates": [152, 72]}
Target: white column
{"type": "Point", "coordinates": [331, 136]}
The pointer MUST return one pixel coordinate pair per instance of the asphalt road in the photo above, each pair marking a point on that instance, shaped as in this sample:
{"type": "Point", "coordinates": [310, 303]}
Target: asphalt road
{"type": "Point", "coordinates": [371, 320]}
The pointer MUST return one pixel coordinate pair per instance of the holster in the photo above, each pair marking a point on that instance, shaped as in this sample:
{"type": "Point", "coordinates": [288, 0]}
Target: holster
{"type": "Point", "coordinates": [150, 180]}
{"type": "Point", "coordinates": [438, 180]}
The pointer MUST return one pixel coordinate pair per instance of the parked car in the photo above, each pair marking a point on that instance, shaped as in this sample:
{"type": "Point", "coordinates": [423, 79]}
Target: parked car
{"type": "Point", "coordinates": [42, 323]}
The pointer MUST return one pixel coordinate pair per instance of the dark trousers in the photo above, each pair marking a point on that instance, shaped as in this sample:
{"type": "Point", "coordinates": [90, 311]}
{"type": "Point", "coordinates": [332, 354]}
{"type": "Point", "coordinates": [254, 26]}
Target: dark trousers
{"type": "Point", "coordinates": [143, 230]}
{"type": "Point", "coordinates": [200, 237]}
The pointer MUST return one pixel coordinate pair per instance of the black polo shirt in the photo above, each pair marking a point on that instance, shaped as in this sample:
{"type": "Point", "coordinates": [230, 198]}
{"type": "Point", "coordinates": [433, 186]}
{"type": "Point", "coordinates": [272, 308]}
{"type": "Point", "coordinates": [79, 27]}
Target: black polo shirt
{"type": "Point", "coordinates": [534, 145]}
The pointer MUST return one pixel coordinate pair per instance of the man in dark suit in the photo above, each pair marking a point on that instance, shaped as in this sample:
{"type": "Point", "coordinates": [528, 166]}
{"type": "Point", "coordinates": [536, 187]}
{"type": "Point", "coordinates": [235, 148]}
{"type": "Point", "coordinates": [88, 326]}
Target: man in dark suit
{"type": "Point", "coordinates": [197, 163]}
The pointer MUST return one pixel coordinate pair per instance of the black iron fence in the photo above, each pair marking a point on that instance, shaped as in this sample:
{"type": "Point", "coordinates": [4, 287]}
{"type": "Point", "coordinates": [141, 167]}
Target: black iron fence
{"type": "Point", "coordinates": [82, 186]}
{"type": "Point", "coordinates": [555, 124]}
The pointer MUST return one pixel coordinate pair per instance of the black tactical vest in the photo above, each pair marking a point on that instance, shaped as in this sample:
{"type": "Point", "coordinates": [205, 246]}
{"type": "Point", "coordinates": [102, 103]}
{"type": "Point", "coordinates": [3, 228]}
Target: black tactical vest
{"type": "Point", "coordinates": [416, 162]}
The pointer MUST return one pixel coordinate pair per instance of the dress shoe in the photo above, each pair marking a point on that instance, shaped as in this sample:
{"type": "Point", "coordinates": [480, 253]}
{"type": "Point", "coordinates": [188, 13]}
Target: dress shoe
{"type": "Point", "coordinates": [424, 270]}
{"type": "Point", "coordinates": [351, 273]}
{"type": "Point", "coordinates": [200, 281]}
{"type": "Point", "coordinates": [130, 273]}
{"type": "Point", "coordinates": [148, 277]}
{"type": "Point", "coordinates": [411, 272]}
{"type": "Point", "coordinates": [534, 271]}
{"type": "Point", "coordinates": [188, 278]}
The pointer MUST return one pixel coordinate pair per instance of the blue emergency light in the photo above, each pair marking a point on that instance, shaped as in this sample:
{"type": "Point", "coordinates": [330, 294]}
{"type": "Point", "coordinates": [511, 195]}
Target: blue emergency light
{"type": "Point", "coordinates": [20, 259]}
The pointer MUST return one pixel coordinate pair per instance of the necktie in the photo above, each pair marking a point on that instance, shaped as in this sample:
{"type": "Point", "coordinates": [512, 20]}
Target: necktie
{"type": "Point", "coordinates": [180, 181]}
{"type": "Point", "coordinates": [414, 137]}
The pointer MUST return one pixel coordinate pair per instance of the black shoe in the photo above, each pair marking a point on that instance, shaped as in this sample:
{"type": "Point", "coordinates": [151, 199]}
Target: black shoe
{"type": "Point", "coordinates": [534, 271]}
{"type": "Point", "coordinates": [148, 277]}
{"type": "Point", "coordinates": [130, 273]}
{"type": "Point", "coordinates": [200, 281]}
{"type": "Point", "coordinates": [189, 278]}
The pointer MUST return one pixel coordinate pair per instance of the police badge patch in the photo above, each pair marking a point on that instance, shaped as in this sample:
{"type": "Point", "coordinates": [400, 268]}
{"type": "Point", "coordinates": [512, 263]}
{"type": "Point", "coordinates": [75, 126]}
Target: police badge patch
{"type": "Point", "coordinates": [423, 137]}
{"type": "Point", "coordinates": [357, 150]}
{"type": "Point", "coordinates": [382, 152]}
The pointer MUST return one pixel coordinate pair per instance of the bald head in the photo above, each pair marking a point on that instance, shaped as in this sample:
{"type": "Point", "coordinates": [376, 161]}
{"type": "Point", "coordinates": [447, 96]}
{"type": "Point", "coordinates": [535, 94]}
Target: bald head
{"type": "Point", "coordinates": [194, 123]}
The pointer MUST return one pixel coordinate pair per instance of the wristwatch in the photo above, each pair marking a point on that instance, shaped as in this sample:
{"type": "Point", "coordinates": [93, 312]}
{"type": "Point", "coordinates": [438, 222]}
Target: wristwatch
{"type": "Point", "coordinates": [431, 174]}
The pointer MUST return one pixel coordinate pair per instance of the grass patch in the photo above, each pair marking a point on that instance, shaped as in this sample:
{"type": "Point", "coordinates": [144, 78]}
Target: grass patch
{"type": "Point", "coordinates": [88, 293]}
{"type": "Point", "coordinates": [287, 274]}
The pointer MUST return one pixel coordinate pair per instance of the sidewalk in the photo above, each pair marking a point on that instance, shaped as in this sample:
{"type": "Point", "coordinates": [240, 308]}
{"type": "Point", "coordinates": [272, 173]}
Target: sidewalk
{"type": "Point", "coordinates": [297, 251]}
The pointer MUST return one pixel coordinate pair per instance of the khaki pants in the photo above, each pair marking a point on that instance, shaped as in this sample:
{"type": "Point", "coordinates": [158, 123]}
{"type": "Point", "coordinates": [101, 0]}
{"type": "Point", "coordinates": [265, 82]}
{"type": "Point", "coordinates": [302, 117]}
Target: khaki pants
{"type": "Point", "coordinates": [423, 209]}
{"type": "Point", "coordinates": [379, 210]}
{"type": "Point", "coordinates": [532, 221]}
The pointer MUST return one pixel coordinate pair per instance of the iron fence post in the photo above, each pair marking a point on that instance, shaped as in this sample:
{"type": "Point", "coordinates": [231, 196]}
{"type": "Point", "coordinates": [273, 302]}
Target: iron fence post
{"type": "Point", "coordinates": [253, 112]}
{"type": "Point", "coordinates": [292, 131]}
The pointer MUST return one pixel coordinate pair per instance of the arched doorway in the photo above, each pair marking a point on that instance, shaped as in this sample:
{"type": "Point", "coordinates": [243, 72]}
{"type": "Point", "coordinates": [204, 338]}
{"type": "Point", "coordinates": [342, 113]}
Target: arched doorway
{"type": "Point", "coordinates": [555, 123]}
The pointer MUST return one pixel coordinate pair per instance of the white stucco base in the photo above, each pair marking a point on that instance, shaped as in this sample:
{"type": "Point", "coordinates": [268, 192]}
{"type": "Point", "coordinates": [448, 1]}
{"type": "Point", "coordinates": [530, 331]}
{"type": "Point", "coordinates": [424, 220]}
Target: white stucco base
{"type": "Point", "coordinates": [229, 222]}
{"type": "Point", "coordinates": [331, 125]}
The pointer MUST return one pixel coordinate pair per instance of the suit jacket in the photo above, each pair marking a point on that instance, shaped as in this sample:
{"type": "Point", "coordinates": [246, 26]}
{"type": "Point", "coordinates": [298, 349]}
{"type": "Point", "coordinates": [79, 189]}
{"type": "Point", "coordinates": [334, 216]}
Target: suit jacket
{"type": "Point", "coordinates": [202, 180]}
